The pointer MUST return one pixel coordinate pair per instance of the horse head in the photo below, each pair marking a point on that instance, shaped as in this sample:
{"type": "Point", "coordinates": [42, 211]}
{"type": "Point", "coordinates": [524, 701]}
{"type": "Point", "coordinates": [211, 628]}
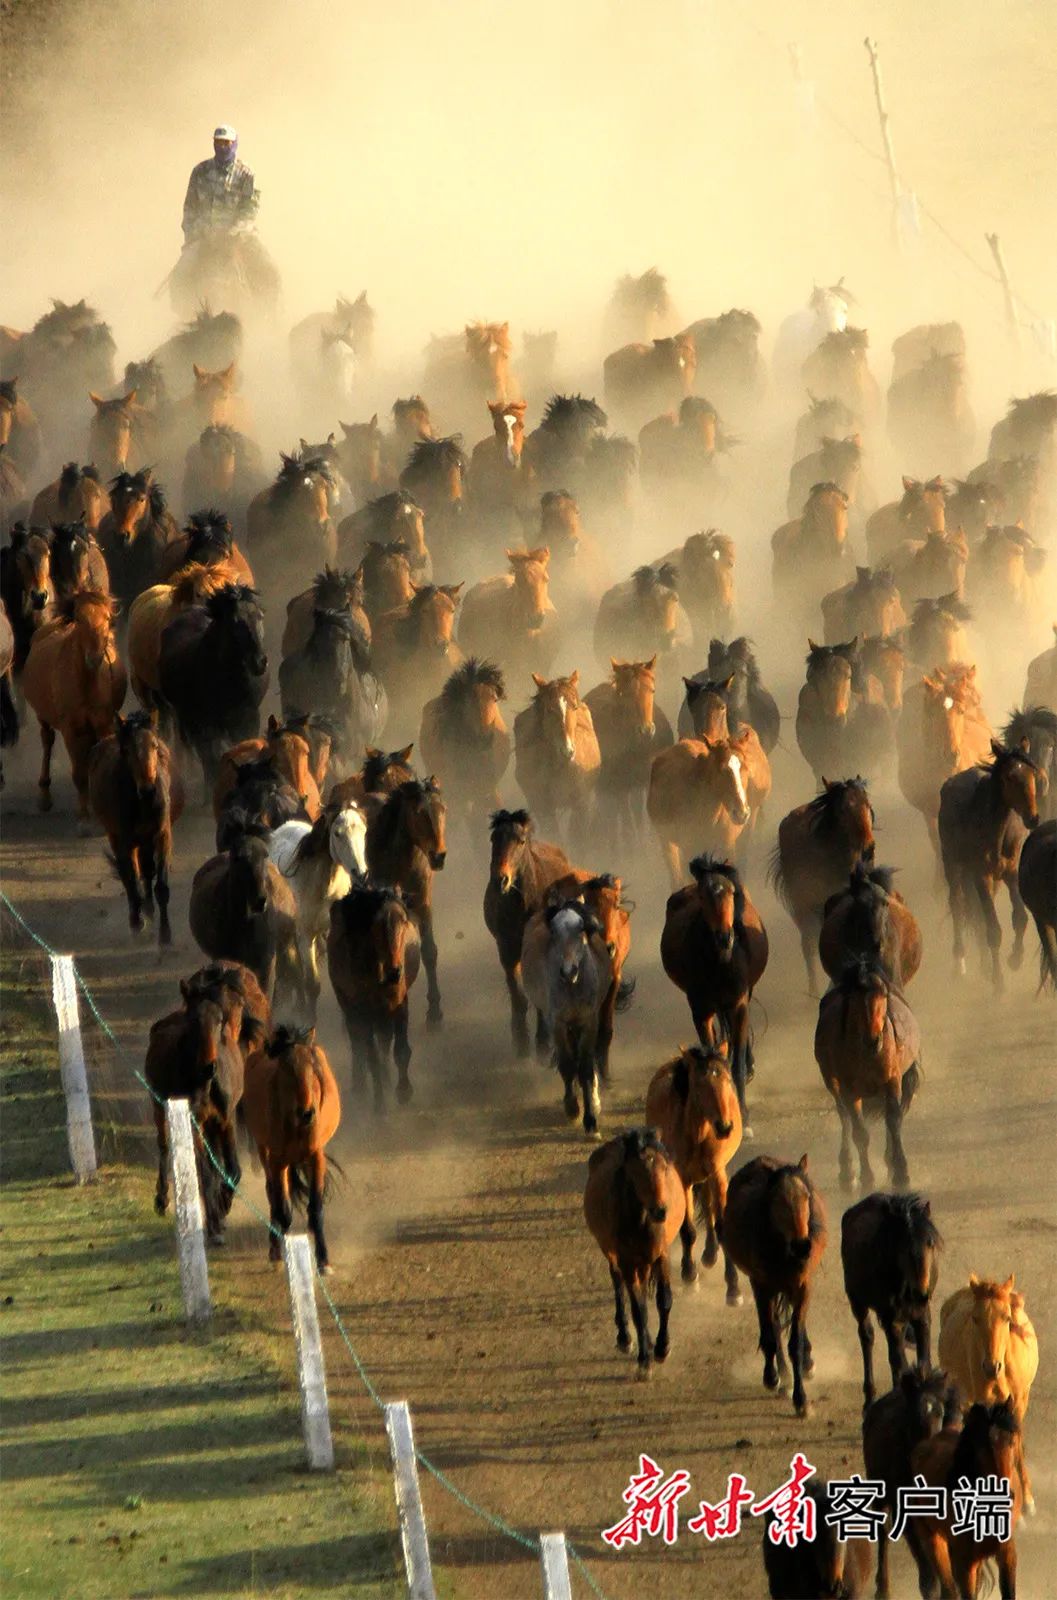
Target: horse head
{"type": "Point", "coordinates": [702, 1081]}
{"type": "Point", "coordinates": [299, 1083]}
{"type": "Point", "coordinates": [510, 833]}
{"type": "Point", "coordinates": [635, 687]}
{"type": "Point", "coordinates": [142, 751]}
{"type": "Point", "coordinates": [790, 1210]}
{"type": "Point", "coordinates": [646, 1167]}
{"type": "Point", "coordinates": [721, 900]}
{"type": "Point", "coordinates": [557, 702]}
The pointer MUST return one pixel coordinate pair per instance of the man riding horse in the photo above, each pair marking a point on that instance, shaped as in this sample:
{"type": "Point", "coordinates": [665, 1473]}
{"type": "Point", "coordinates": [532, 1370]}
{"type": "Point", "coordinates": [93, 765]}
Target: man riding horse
{"type": "Point", "coordinates": [221, 249]}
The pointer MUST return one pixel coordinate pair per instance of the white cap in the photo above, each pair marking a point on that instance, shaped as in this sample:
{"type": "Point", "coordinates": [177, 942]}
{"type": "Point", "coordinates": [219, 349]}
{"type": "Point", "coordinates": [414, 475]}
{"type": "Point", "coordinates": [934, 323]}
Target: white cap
{"type": "Point", "coordinates": [224, 132]}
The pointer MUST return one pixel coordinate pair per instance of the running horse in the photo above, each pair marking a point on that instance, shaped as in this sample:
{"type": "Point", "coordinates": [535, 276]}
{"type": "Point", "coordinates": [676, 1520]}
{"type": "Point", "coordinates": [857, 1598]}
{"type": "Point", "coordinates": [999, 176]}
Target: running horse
{"type": "Point", "coordinates": [464, 739]}
{"type": "Point", "coordinates": [435, 475]}
{"type": "Point", "coordinates": [819, 844]}
{"type": "Point", "coordinates": [136, 794]}
{"type": "Point", "coordinates": [810, 552]}
{"type": "Point", "coordinates": [557, 759]}
{"type": "Point", "coordinates": [136, 533]}
{"type": "Point", "coordinates": [521, 871]}
{"type": "Point", "coordinates": [289, 525]}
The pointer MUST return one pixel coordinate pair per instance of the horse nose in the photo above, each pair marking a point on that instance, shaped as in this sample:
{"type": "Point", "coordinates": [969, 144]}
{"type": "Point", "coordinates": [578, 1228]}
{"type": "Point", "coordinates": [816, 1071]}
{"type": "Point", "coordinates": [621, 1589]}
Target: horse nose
{"type": "Point", "coordinates": [437, 859]}
{"type": "Point", "coordinates": [147, 791]}
{"type": "Point", "coordinates": [992, 1369]}
{"type": "Point", "coordinates": [802, 1248]}
{"type": "Point", "coordinates": [393, 974]}
{"type": "Point", "coordinates": [658, 1213]}
{"type": "Point", "coordinates": [1033, 820]}
{"type": "Point", "coordinates": [39, 598]}
{"type": "Point", "coordinates": [724, 1129]}
{"type": "Point", "coordinates": [308, 1116]}
{"type": "Point", "coordinates": [504, 882]}
{"type": "Point", "coordinates": [259, 904]}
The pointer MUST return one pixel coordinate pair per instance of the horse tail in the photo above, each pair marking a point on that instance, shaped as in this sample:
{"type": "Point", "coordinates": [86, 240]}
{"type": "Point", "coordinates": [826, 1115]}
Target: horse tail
{"type": "Point", "coordinates": [783, 1310]}
{"type": "Point", "coordinates": [1047, 960]}
{"type": "Point", "coordinates": [300, 1185]}
{"type": "Point", "coordinates": [913, 1078]}
{"type": "Point", "coordinates": [776, 876]}
{"type": "Point", "coordinates": [8, 714]}
{"type": "Point", "coordinates": [625, 993]}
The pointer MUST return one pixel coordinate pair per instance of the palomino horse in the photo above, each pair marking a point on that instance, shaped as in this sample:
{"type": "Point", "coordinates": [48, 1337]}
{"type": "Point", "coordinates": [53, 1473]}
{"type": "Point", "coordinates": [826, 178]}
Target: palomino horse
{"type": "Point", "coordinates": [603, 895]}
{"type": "Point", "coordinates": [289, 525]}
{"type": "Point", "coordinates": [888, 1249]}
{"type": "Point", "coordinates": [630, 728]}
{"type": "Point", "coordinates": [415, 652]}
{"type": "Point", "coordinates": [714, 948]}
{"type": "Point", "coordinates": [634, 1204]}
{"type": "Point", "coordinates": [26, 585]}
{"type": "Point", "coordinates": [988, 1346]}
{"type": "Point", "coordinates": [942, 730]}
{"type": "Point", "coordinates": [213, 672]}
{"type": "Point", "coordinates": [330, 590]}
{"type": "Point", "coordinates": [557, 759]}
{"type": "Point", "coordinates": [241, 908]}
{"type": "Point", "coordinates": [984, 817]}
{"type": "Point", "coordinates": [867, 1045]}
{"type": "Point", "coordinates": [567, 973]}
{"type": "Point", "coordinates": [643, 616]}
{"type": "Point", "coordinates": [699, 795]}
{"type": "Point", "coordinates": [811, 552]}
{"type": "Point", "coordinates": [647, 378]}
{"type": "Point", "coordinates": [510, 618]}
{"type": "Point", "coordinates": [921, 1403]}
{"type": "Point", "coordinates": [837, 727]}
{"type": "Point", "coordinates": [1037, 880]}
{"type": "Point", "coordinates": [405, 847]}
{"type": "Point", "coordinates": [868, 919]}
{"type": "Point", "coordinates": [111, 433]}
{"type": "Point", "coordinates": [75, 683]}
{"type": "Point", "coordinates": [389, 518]}
{"type": "Point", "coordinates": [916, 517]}
{"type": "Point", "coordinates": [77, 495]}
{"type": "Point", "coordinates": [135, 533]}
{"type": "Point", "coordinates": [464, 739]}
{"type": "Point", "coordinates": [206, 541]}
{"type": "Point", "coordinates": [292, 1109]}
{"type": "Point", "coordinates": [818, 845]}
{"type": "Point", "coordinates": [521, 871]}
{"type": "Point", "coordinates": [692, 1102]}
{"type": "Point", "coordinates": [839, 366]}
{"type": "Point", "coordinates": [136, 796]}
{"type": "Point", "coordinates": [870, 604]}
{"type": "Point", "coordinates": [319, 859]}
{"type": "Point", "coordinates": [373, 956]}
{"type": "Point", "coordinates": [774, 1229]}
{"type": "Point", "coordinates": [970, 1460]}
{"type": "Point", "coordinates": [838, 461]}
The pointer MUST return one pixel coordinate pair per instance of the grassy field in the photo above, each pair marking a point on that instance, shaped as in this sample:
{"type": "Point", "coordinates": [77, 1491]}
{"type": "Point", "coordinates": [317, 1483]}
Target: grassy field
{"type": "Point", "coordinates": [140, 1459]}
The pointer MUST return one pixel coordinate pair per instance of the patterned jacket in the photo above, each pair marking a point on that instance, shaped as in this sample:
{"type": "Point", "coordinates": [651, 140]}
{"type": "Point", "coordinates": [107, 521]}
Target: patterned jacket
{"type": "Point", "coordinates": [219, 198]}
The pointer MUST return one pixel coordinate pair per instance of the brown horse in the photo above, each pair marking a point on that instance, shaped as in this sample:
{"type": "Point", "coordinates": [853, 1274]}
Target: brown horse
{"type": "Point", "coordinates": [837, 725]}
{"type": "Point", "coordinates": [603, 895]}
{"type": "Point", "coordinates": [888, 1249]}
{"type": "Point", "coordinates": [643, 616]}
{"type": "Point", "coordinates": [136, 796]}
{"type": "Point", "coordinates": [634, 1205]}
{"type": "Point", "coordinates": [818, 845]}
{"type": "Point", "coordinates": [405, 847]}
{"type": "Point", "coordinates": [289, 524]}
{"type": "Point", "coordinates": [986, 1449]}
{"type": "Point", "coordinates": [867, 1045]}
{"type": "Point", "coordinates": [840, 462]}
{"type": "Point", "coordinates": [839, 367]}
{"type": "Point", "coordinates": [921, 1403]}
{"type": "Point", "coordinates": [111, 433]}
{"type": "Point", "coordinates": [630, 728]}
{"type": "Point", "coordinates": [75, 683]}
{"type": "Point", "coordinates": [373, 955]}
{"type": "Point", "coordinates": [1040, 685]}
{"type": "Point", "coordinates": [680, 450]}
{"type": "Point", "coordinates": [499, 484]}
{"type": "Point", "coordinates": [510, 618]}
{"type": "Point", "coordinates": [869, 918]}
{"type": "Point", "coordinates": [414, 651]}
{"type": "Point", "coordinates": [411, 422]}
{"type": "Point", "coordinates": [936, 636]}
{"type": "Point", "coordinates": [390, 518]}
{"type": "Point", "coordinates": [464, 739]}
{"type": "Point", "coordinates": [381, 773]}
{"type": "Point", "coordinates": [557, 760]}
{"type": "Point", "coordinates": [288, 749]}
{"type": "Point", "coordinates": [214, 401]}
{"type": "Point", "coordinates": [77, 495]}
{"type": "Point", "coordinates": [206, 541]}
{"type": "Point", "coordinates": [921, 511]}
{"type": "Point", "coordinates": [927, 568]}
{"type": "Point", "coordinates": [292, 1110]}
{"type": "Point", "coordinates": [705, 581]}
{"type": "Point", "coordinates": [222, 468]}
{"type": "Point", "coordinates": [19, 429]}
{"type": "Point", "coordinates": [774, 1229]}
{"type": "Point", "coordinates": [473, 365]}
{"type": "Point", "coordinates": [1004, 572]}
{"type": "Point", "coordinates": [699, 794]}
{"type": "Point", "coordinates": [148, 616]}
{"type": "Point", "coordinates": [882, 667]}
{"type": "Point", "coordinates": [26, 585]}
{"type": "Point", "coordinates": [692, 1102]}
{"type": "Point", "coordinates": [1037, 879]}
{"type": "Point", "coordinates": [435, 474]}
{"type": "Point", "coordinates": [650, 377]}
{"type": "Point", "coordinates": [929, 414]}
{"type": "Point", "coordinates": [942, 730]}
{"type": "Point", "coordinates": [9, 723]}
{"type": "Point", "coordinates": [360, 453]}
{"type": "Point", "coordinates": [330, 590]}
{"type": "Point", "coordinates": [811, 551]}
{"type": "Point", "coordinates": [242, 909]}
{"type": "Point", "coordinates": [870, 604]}
{"type": "Point", "coordinates": [985, 815]}
{"type": "Point", "coordinates": [521, 871]}
{"type": "Point", "coordinates": [714, 948]}
{"type": "Point", "coordinates": [136, 533]}
{"type": "Point", "coordinates": [386, 576]}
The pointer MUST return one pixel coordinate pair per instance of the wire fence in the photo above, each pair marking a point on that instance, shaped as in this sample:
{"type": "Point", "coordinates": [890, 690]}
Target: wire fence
{"type": "Point", "coordinates": [498, 1524]}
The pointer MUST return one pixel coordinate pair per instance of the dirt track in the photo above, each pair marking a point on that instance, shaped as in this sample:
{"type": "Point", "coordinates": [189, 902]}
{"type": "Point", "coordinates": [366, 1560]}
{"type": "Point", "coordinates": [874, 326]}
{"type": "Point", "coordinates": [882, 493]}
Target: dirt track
{"type": "Point", "coordinates": [464, 1269]}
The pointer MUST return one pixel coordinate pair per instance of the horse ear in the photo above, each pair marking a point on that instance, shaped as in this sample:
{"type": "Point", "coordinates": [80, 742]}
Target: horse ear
{"type": "Point", "coordinates": [1008, 1285]}
{"type": "Point", "coordinates": [452, 589]}
{"type": "Point", "coordinates": [303, 444]}
{"type": "Point", "coordinates": [973, 1280]}
{"type": "Point", "coordinates": [614, 665]}
{"type": "Point", "coordinates": [185, 989]}
{"type": "Point", "coordinates": [811, 643]}
{"type": "Point", "coordinates": [727, 683]}
{"type": "Point", "coordinates": [273, 725]}
{"type": "Point", "coordinates": [374, 421]}
{"type": "Point", "coordinates": [909, 483]}
{"type": "Point", "coordinates": [346, 427]}
{"type": "Point", "coordinates": [229, 371]}
{"type": "Point", "coordinates": [802, 1163]}
{"type": "Point", "coordinates": [130, 397]}
{"type": "Point", "coordinates": [198, 371]}
{"type": "Point", "coordinates": [404, 755]}
{"type": "Point", "coordinates": [541, 683]}
{"type": "Point", "coordinates": [652, 662]}
{"type": "Point", "coordinates": [996, 748]}
{"type": "Point", "coordinates": [574, 678]}
{"type": "Point", "coordinates": [331, 438]}
{"type": "Point", "coordinates": [95, 399]}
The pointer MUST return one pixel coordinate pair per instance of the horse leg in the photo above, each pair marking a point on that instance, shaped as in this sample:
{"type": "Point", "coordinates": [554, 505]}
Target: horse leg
{"type": "Point", "coordinates": [1006, 1561]}
{"type": "Point", "coordinates": [662, 1277]}
{"type": "Point", "coordinates": [881, 1592]}
{"type": "Point", "coordinates": [1025, 1480]}
{"type": "Point", "coordinates": [316, 1182]}
{"type": "Point", "coordinates": [518, 1010]}
{"type": "Point", "coordinates": [985, 894]}
{"type": "Point", "coordinates": [898, 1171]}
{"type": "Point", "coordinates": [808, 946]}
{"type": "Point", "coordinates": [161, 1194]}
{"type": "Point", "coordinates": [846, 1179]}
{"type": "Point", "coordinates": [125, 862]}
{"type": "Point", "coordinates": [229, 1154]}
{"type": "Point", "coordinates": [767, 1340]}
{"type": "Point", "coordinates": [929, 1549]}
{"type": "Point", "coordinates": [402, 1053]}
{"type": "Point", "coordinates": [688, 1238]}
{"type": "Point", "coordinates": [376, 1067]}
{"type": "Point", "coordinates": [604, 1037]}
{"type": "Point", "coordinates": [623, 1337]}
{"type": "Point", "coordinates": [897, 1360]}
{"type": "Point", "coordinates": [862, 1317]}
{"type": "Point", "coordinates": [713, 1209]}
{"type": "Point", "coordinates": [585, 1072]}
{"type": "Point", "coordinates": [674, 862]}
{"type": "Point", "coordinates": [956, 902]}
{"type": "Point", "coordinates": [1020, 922]}
{"type": "Point", "coordinates": [730, 1271]}
{"type": "Point", "coordinates": [162, 855]}
{"type": "Point", "coordinates": [543, 1038]}
{"type": "Point", "coordinates": [740, 1060]}
{"type": "Point", "coordinates": [434, 1014]}
{"type": "Point", "coordinates": [637, 1296]}
{"type": "Point", "coordinates": [861, 1136]}
{"type": "Point", "coordinates": [47, 745]}
{"type": "Point", "coordinates": [276, 1186]}
{"type": "Point", "coordinates": [797, 1354]}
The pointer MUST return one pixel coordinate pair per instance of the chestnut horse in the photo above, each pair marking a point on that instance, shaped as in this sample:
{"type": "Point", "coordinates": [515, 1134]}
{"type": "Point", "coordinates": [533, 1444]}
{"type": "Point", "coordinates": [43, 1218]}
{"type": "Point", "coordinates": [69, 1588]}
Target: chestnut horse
{"type": "Point", "coordinates": [386, 575]}
{"type": "Point", "coordinates": [360, 453]}
{"type": "Point", "coordinates": [867, 1045]}
{"type": "Point", "coordinates": [692, 1102]}
{"type": "Point", "coordinates": [987, 1449]}
{"type": "Point", "coordinates": [75, 683]}
{"type": "Point", "coordinates": [699, 795]}
{"type": "Point", "coordinates": [510, 618]}
{"type": "Point", "coordinates": [1004, 572]}
{"type": "Point", "coordinates": [405, 847]}
{"type": "Point", "coordinates": [809, 553]}
{"type": "Point", "coordinates": [933, 566]}
{"type": "Point", "coordinates": [774, 1229]}
{"type": "Point", "coordinates": [136, 795]}
{"type": "Point", "coordinates": [292, 1110]}
{"type": "Point", "coordinates": [630, 728]}
{"type": "Point", "coordinates": [870, 604]}
{"type": "Point", "coordinates": [839, 367]}
{"type": "Point", "coordinates": [373, 955]}
{"type": "Point", "coordinates": [414, 651]}
{"type": "Point", "coordinates": [869, 918]}
{"type": "Point", "coordinates": [136, 533]}
{"type": "Point", "coordinates": [464, 739]}
{"type": "Point", "coordinates": [650, 377]}
{"type": "Point", "coordinates": [705, 580]}
{"type": "Point", "coordinates": [19, 429]}
{"type": "Point", "coordinates": [882, 666]}
{"type": "Point", "coordinates": [26, 585]}
{"type": "Point", "coordinates": [942, 730]}
{"type": "Point", "coordinates": [634, 1205]}
{"type": "Point", "coordinates": [222, 468]}
{"type": "Point", "coordinates": [435, 474]}
{"type": "Point", "coordinates": [77, 495]}
{"type": "Point", "coordinates": [287, 747]}
{"type": "Point", "coordinates": [521, 871]}
{"type": "Point", "coordinates": [888, 1249]}
{"type": "Point", "coordinates": [557, 759]}
{"type": "Point", "coordinates": [838, 462]}
{"type": "Point", "coordinates": [921, 1403]}
{"type": "Point", "coordinates": [500, 486]}
{"type": "Point", "coordinates": [818, 845]}
{"type": "Point", "coordinates": [391, 518]}
{"type": "Point", "coordinates": [111, 431]}
{"type": "Point", "coordinates": [921, 511]}
{"type": "Point", "coordinates": [714, 948]}
{"type": "Point", "coordinates": [289, 525]}
{"type": "Point", "coordinates": [936, 636]}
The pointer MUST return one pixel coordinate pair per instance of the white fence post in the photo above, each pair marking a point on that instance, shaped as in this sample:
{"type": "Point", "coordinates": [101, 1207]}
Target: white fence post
{"type": "Point", "coordinates": [79, 1135]}
{"type": "Point", "coordinates": [409, 1502]}
{"type": "Point", "coordinates": [315, 1411]}
{"type": "Point", "coordinates": [190, 1223]}
{"type": "Point", "coordinates": [554, 1563]}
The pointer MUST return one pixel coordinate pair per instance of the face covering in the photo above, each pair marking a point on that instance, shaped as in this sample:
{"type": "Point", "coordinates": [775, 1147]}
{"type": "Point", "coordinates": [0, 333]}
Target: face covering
{"type": "Point", "coordinates": [225, 154]}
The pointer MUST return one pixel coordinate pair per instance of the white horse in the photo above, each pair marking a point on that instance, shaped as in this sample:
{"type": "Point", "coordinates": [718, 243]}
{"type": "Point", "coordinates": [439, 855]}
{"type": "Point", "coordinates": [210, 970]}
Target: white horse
{"type": "Point", "coordinates": [803, 332]}
{"type": "Point", "coordinates": [319, 860]}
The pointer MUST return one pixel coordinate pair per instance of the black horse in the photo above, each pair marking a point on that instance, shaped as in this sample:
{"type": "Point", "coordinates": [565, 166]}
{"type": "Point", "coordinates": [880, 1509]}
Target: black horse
{"type": "Point", "coordinates": [888, 1247]}
{"type": "Point", "coordinates": [213, 672]}
{"type": "Point", "coordinates": [330, 677]}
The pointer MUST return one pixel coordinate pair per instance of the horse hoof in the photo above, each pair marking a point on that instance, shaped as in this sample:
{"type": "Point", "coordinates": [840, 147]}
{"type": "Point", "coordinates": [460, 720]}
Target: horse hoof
{"type": "Point", "coordinates": [773, 1384]}
{"type": "Point", "coordinates": [746, 1131]}
{"type": "Point", "coordinates": [803, 1409]}
{"type": "Point", "coordinates": [135, 924]}
{"type": "Point", "coordinates": [624, 1342]}
{"type": "Point", "coordinates": [161, 1206]}
{"type": "Point", "coordinates": [571, 1107]}
{"type": "Point", "coordinates": [84, 829]}
{"type": "Point", "coordinates": [433, 1020]}
{"type": "Point", "coordinates": [1016, 960]}
{"type": "Point", "coordinates": [44, 801]}
{"type": "Point", "coordinates": [661, 1351]}
{"type": "Point", "coordinates": [325, 1269]}
{"type": "Point", "coordinates": [710, 1255]}
{"type": "Point", "coordinates": [1029, 1507]}
{"type": "Point", "coordinates": [164, 935]}
{"type": "Point", "coordinates": [645, 1371]}
{"type": "Point", "coordinates": [592, 1135]}
{"type": "Point", "coordinates": [404, 1092]}
{"type": "Point", "coordinates": [960, 967]}
{"type": "Point", "coordinates": [690, 1276]}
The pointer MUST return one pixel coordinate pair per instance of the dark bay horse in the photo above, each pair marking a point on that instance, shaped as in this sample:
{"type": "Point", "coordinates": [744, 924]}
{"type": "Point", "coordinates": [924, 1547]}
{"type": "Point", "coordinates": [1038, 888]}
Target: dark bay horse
{"type": "Point", "coordinates": [292, 1109]}
{"type": "Point", "coordinates": [136, 795]}
{"type": "Point", "coordinates": [1035, 726]}
{"type": "Point", "coordinates": [26, 585]}
{"type": "Point", "coordinates": [288, 525]}
{"type": "Point", "coordinates": [921, 1403]}
{"type": "Point", "coordinates": [213, 672]}
{"type": "Point", "coordinates": [714, 948]}
{"type": "Point", "coordinates": [748, 700]}
{"type": "Point", "coordinates": [1037, 880]}
{"type": "Point", "coordinates": [76, 561]}
{"type": "Point", "coordinates": [824, 1565]}
{"type": "Point", "coordinates": [984, 818]}
{"type": "Point", "coordinates": [774, 1229]}
{"type": "Point", "coordinates": [837, 727]}
{"type": "Point", "coordinates": [76, 495]}
{"type": "Point", "coordinates": [521, 870]}
{"type": "Point", "coordinates": [888, 1249]}
{"type": "Point", "coordinates": [870, 918]}
{"type": "Point", "coordinates": [986, 1448]}
{"type": "Point", "coordinates": [634, 1206]}
{"type": "Point", "coordinates": [329, 677]}
{"type": "Point", "coordinates": [135, 533]}
{"type": "Point", "coordinates": [373, 955]}
{"type": "Point", "coordinates": [332, 589]}
{"type": "Point", "coordinates": [242, 909]}
{"type": "Point", "coordinates": [405, 847]}
{"type": "Point", "coordinates": [818, 845]}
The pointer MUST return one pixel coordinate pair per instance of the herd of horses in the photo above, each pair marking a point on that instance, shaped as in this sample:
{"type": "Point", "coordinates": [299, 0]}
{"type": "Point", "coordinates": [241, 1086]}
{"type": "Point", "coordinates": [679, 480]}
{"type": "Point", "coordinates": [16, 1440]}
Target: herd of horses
{"type": "Point", "coordinates": [327, 843]}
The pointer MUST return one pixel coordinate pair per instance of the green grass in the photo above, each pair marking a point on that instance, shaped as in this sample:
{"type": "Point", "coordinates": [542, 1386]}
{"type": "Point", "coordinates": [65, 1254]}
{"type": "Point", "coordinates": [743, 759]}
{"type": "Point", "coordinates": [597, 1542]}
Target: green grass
{"type": "Point", "coordinates": [140, 1459]}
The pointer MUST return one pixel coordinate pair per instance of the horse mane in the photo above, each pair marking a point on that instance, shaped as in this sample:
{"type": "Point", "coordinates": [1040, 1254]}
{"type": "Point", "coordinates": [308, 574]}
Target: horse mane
{"type": "Point", "coordinates": [695, 405]}
{"type": "Point", "coordinates": [71, 475]}
{"type": "Point", "coordinates": [979, 1420]}
{"type": "Point", "coordinates": [286, 1037]}
{"type": "Point", "coordinates": [65, 610]}
{"type": "Point", "coordinates": [1022, 724]}
{"type": "Point", "coordinates": [861, 974]}
{"type": "Point", "coordinates": [208, 526]}
{"type": "Point", "coordinates": [613, 450]}
{"type": "Point", "coordinates": [947, 605]}
{"type": "Point", "coordinates": [67, 533]}
{"type": "Point", "coordinates": [848, 339]}
{"type": "Point", "coordinates": [562, 410]}
{"type": "Point", "coordinates": [376, 765]}
{"type": "Point", "coordinates": [849, 649]}
{"type": "Point", "coordinates": [1037, 410]}
{"type": "Point", "coordinates": [230, 595]}
{"type": "Point", "coordinates": [912, 1211]}
{"type": "Point", "coordinates": [828, 405]}
{"type": "Point", "coordinates": [294, 468]}
{"type": "Point", "coordinates": [822, 810]}
{"type": "Point", "coordinates": [206, 321]}
{"type": "Point", "coordinates": [739, 651]}
{"type": "Point", "coordinates": [428, 454]}
{"type": "Point", "coordinates": [647, 579]}
{"type": "Point", "coordinates": [701, 866]}
{"type": "Point", "coordinates": [500, 819]}
{"type": "Point", "coordinates": [1010, 532]}
{"type": "Point", "coordinates": [387, 819]}
{"type": "Point", "coordinates": [194, 581]}
{"type": "Point", "coordinates": [332, 581]}
{"type": "Point", "coordinates": [1001, 756]}
{"type": "Point", "coordinates": [385, 506]}
{"type": "Point", "coordinates": [649, 289]}
{"type": "Point", "coordinates": [9, 390]}
{"type": "Point", "coordinates": [221, 430]}
{"type": "Point", "coordinates": [364, 900]}
{"type": "Point", "coordinates": [827, 486]}
{"type": "Point", "coordinates": [472, 671]}
{"type": "Point", "coordinates": [588, 921]}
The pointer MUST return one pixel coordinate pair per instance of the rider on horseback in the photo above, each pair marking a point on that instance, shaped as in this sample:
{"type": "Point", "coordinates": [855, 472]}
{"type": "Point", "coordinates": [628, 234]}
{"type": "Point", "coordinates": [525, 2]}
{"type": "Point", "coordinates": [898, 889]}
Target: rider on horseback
{"type": "Point", "coordinates": [222, 253]}
{"type": "Point", "coordinates": [221, 194]}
